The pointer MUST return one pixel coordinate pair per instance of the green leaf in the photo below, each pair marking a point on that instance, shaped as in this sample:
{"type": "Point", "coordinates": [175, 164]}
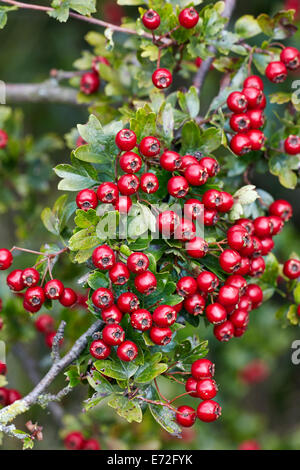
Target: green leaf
{"type": "Point", "coordinates": [127, 409]}
{"type": "Point", "coordinates": [116, 370]}
{"type": "Point", "coordinates": [73, 376]}
{"type": "Point", "coordinates": [296, 294]}
{"type": "Point", "coordinates": [210, 140]}
{"type": "Point", "coordinates": [77, 176]}
{"type": "Point", "coordinates": [189, 102]}
{"type": "Point", "coordinates": [98, 279]}
{"type": "Point", "coordinates": [247, 26]}
{"type": "Point", "coordinates": [292, 315]}
{"type": "Point", "coordinates": [166, 418]}
{"type": "Point", "coordinates": [144, 123]}
{"type": "Point", "coordinates": [83, 239]}
{"type": "Point", "coordinates": [85, 219]}
{"type": "Point", "coordinates": [190, 137]}
{"type": "Point", "coordinates": [62, 7]}
{"type": "Point", "coordinates": [151, 369]}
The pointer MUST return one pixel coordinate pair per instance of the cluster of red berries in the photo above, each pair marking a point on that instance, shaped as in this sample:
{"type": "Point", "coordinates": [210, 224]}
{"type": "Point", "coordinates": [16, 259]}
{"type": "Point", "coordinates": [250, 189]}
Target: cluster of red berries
{"type": "Point", "coordinates": [188, 18]}
{"type": "Point", "coordinates": [277, 71]}
{"type": "Point", "coordinates": [29, 278]}
{"type": "Point", "coordinates": [90, 81]}
{"type": "Point", "coordinates": [76, 441]}
{"type": "Point", "coordinates": [200, 385]}
{"type": "Point", "coordinates": [8, 396]}
{"type": "Point", "coordinates": [3, 139]}
{"type": "Point", "coordinates": [248, 117]}
{"type": "Point", "coordinates": [45, 325]}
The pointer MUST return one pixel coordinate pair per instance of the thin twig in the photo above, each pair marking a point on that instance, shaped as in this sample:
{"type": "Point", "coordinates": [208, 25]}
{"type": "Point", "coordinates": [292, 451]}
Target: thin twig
{"type": "Point", "coordinates": [57, 340]}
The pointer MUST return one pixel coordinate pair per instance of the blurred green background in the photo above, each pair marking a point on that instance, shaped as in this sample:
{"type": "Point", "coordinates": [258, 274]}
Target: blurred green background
{"type": "Point", "coordinates": [258, 403]}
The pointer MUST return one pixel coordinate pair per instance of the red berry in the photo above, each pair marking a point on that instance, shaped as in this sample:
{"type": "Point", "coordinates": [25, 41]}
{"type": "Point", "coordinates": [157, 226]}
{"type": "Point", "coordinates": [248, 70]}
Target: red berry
{"type": "Point", "coordinates": [35, 297]}
{"type": "Point", "coordinates": [237, 102]}
{"type": "Point", "coordinates": [186, 286]}
{"type": "Point", "coordinates": [123, 204]}
{"type": "Point", "coordinates": [291, 268]}
{"type": "Point", "coordinates": [98, 60]}
{"type": "Point", "coordinates": [3, 139]}
{"type": "Point", "coordinates": [130, 162]}
{"type": "Point", "coordinates": [240, 122]}
{"type": "Point", "coordinates": [74, 440]}
{"type": "Point", "coordinates": [127, 351]}
{"type": "Point", "coordinates": [196, 174]}
{"type": "Point", "coordinates": [162, 78]}
{"type": "Point", "coordinates": [3, 396]}
{"type": "Point", "coordinates": [262, 227]}
{"type": "Point", "coordinates": [198, 61]}
{"type": "Point", "coordinates": [257, 139]}
{"type": "Point", "coordinates": [194, 304]}
{"type": "Point", "coordinates": [141, 319]}
{"type": "Point", "coordinates": [30, 277]}
{"type": "Point", "coordinates": [211, 217]}
{"type": "Point", "coordinates": [202, 369]}
{"type": "Point", "coordinates": [145, 283]}
{"type": "Point", "coordinates": [208, 411]}
{"type": "Point", "coordinates": [128, 302]}
{"type": "Point", "coordinates": [167, 221]}
{"type": "Point", "coordinates": [149, 146]}
{"type": "Point", "coordinates": [290, 56]}
{"type": "Point", "coordinates": [178, 186]}
{"type": "Point", "coordinates": [249, 445]}
{"type": "Point", "coordinates": [207, 281]}
{"type": "Point", "coordinates": [80, 141]}
{"type": "Point", "coordinates": [151, 19]}
{"type": "Point", "coordinates": [86, 199]}
{"type": "Point", "coordinates": [216, 313]}
{"type": "Point", "coordinates": [228, 295]}
{"type": "Point", "coordinates": [238, 281]}
{"type": "Point", "coordinates": [191, 387]}
{"type": "Point", "coordinates": [255, 294]}
{"type": "Point", "coordinates": [227, 202]}
{"type": "Point", "coordinates": [49, 337]}
{"type": "Point", "coordinates": [91, 444]}
{"type": "Point", "coordinates": [68, 297]}
{"type": "Point", "coordinates": [111, 315]}
{"type": "Point", "coordinates": [128, 184]}
{"type": "Point", "coordinates": [119, 274]}
{"type": "Point", "coordinates": [276, 224]}
{"type": "Point", "coordinates": [257, 266]}
{"type": "Point", "coordinates": [197, 247]}
{"type": "Point", "coordinates": [149, 183]}
{"type": "Point", "coordinates": [276, 72]}
{"type": "Point", "coordinates": [13, 395]}
{"type": "Point", "coordinates": [240, 144]}
{"type": "Point", "coordinates": [282, 209]}
{"type": "Point", "coordinates": [161, 336]}
{"type": "Point", "coordinates": [103, 298]}
{"type": "Point", "coordinates": [212, 199]}
{"type": "Point", "coordinates": [247, 224]}
{"type": "Point", "coordinates": [44, 323]}
{"type": "Point", "coordinates": [3, 368]}
{"type": "Point", "coordinates": [164, 315]}
{"type": "Point", "coordinates": [256, 117]}
{"type": "Point", "coordinates": [254, 97]}
{"type": "Point", "coordinates": [244, 266]}
{"type": "Point", "coordinates": [126, 139]}
{"type": "Point", "coordinates": [224, 332]}
{"type": "Point", "coordinates": [185, 416]}
{"type": "Point", "coordinates": [211, 165]}
{"type": "Point", "coordinates": [292, 145]}
{"type": "Point", "coordinates": [298, 310]}
{"type": "Point", "coordinates": [6, 259]}
{"type": "Point", "coordinates": [207, 389]}
{"type": "Point", "coordinates": [238, 238]}
{"type": "Point", "coordinates": [89, 83]}
{"type": "Point", "coordinates": [188, 160]}
{"type": "Point", "coordinates": [113, 334]}
{"type": "Point", "coordinates": [108, 193]}
{"type": "Point", "coordinates": [99, 349]}
{"type": "Point", "coordinates": [1, 323]}
{"type": "Point", "coordinates": [193, 209]}
{"type": "Point", "coordinates": [254, 82]}
{"type": "Point", "coordinates": [15, 280]}
{"type": "Point", "coordinates": [53, 289]}
{"type": "Point", "coordinates": [185, 231]}
{"type": "Point", "coordinates": [267, 245]}
{"type": "Point", "coordinates": [170, 161]}
{"type": "Point", "coordinates": [137, 263]}
{"type": "Point", "coordinates": [103, 257]}
{"type": "Point", "coordinates": [188, 18]}
{"type": "Point", "coordinates": [240, 318]}
{"type": "Point", "coordinates": [230, 261]}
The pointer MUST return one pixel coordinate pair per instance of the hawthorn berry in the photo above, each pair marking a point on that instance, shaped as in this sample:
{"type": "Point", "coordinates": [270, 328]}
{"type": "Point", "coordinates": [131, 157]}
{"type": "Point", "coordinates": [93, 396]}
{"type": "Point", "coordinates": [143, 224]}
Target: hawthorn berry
{"type": "Point", "coordinates": [167, 221]}
{"type": "Point", "coordinates": [194, 304]}
{"type": "Point", "coordinates": [3, 139]}
{"type": "Point", "coordinates": [188, 17]}
{"type": "Point", "coordinates": [211, 165]}
{"type": "Point", "coordinates": [225, 331]}
{"type": "Point", "coordinates": [185, 416]}
{"type": "Point", "coordinates": [151, 19]}
{"type": "Point", "coordinates": [170, 161]}
{"type": "Point", "coordinates": [196, 248]}
{"type": "Point", "coordinates": [210, 217]}
{"type": "Point", "coordinates": [3, 368]}
{"type": "Point", "coordinates": [240, 122]}
{"type": "Point", "coordinates": [15, 280]}
{"type": "Point", "coordinates": [228, 295]}
{"type": "Point", "coordinates": [103, 257]}
{"type": "Point", "coordinates": [31, 308]}
{"type": "Point", "coordinates": [13, 395]}
{"type": "Point", "coordinates": [30, 277]}
{"type": "Point", "coordinates": [207, 281]}
{"type": "Point", "coordinates": [127, 351]}
{"type": "Point", "coordinates": [193, 209]}
{"type": "Point", "coordinates": [215, 313]}
{"type": "Point", "coordinates": [68, 297]}
{"type": "Point", "coordinates": [276, 72]}
{"type": "Point", "coordinates": [237, 102]}
{"type": "Point", "coordinates": [162, 78]}
{"type": "Point", "coordinates": [126, 139]}
{"type": "Point", "coordinates": [262, 226]}
{"type": "Point", "coordinates": [164, 315]}
{"type": "Point", "coordinates": [178, 186]}
{"type": "Point", "coordinates": [53, 289]}
{"type": "Point", "coordinates": [254, 97]}
{"type": "Point", "coordinates": [123, 204]}
{"type": "Point", "coordinates": [3, 396]}
{"type": "Point", "coordinates": [130, 162]}
{"type": "Point", "coordinates": [257, 139]}
{"type": "Point", "coordinates": [149, 146]}
{"type": "Point", "coordinates": [212, 199]}
{"type": "Point", "coordinates": [257, 266]}
{"type": "Point", "coordinates": [141, 319]}
{"type": "Point", "coordinates": [240, 144]}
{"type": "Point", "coordinates": [227, 202]}
{"type": "Point", "coordinates": [49, 337]}
{"type": "Point", "coordinates": [149, 183]}
{"type": "Point", "coordinates": [111, 315]}
{"type": "Point", "coordinates": [247, 224]}
{"type": "Point", "coordinates": [80, 141]}
{"type": "Point", "coordinates": [86, 199]}
{"type": "Point", "coordinates": [91, 444]}
{"type": "Point", "coordinates": [128, 184]}
{"type": "Point", "coordinates": [290, 56]}
{"type": "Point", "coordinates": [186, 286]}
{"type": "Point", "coordinates": [267, 245]}
{"type": "Point", "coordinates": [230, 261]}
{"type": "Point", "coordinates": [34, 296]}
{"type": "Point", "coordinates": [113, 334]}
{"type": "Point", "coordinates": [249, 445]}
{"type": "Point", "coordinates": [256, 118]}
{"type": "Point", "coordinates": [254, 82]}
{"type": "Point", "coordinates": [208, 411]}
{"type": "Point", "coordinates": [185, 231]}
{"type": "Point", "coordinates": [202, 369]}
{"type": "Point", "coordinates": [102, 298]}
{"type": "Point", "coordinates": [238, 281]}
{"type": "Point", "coordinates": [145, 283]}
{"type": "Point", "coordinates": [282, 209]}
{"type": "Point", "coordinates": [108, 193]}
{"type": "Point", "coordinates": [44, 323]}
{"type": "Point", "coordinates": [119, 274]}
{"type": "Point", "coordinates": [161, 336]}
{"type": "Point", "coordinates": [188, 160]}
{"type": "Point", "coordinates": [292, 145]}
{"type": "Point", "coordinates": [291, 268]}
{"type": "Point", "coordinates": [255, 294]}
{"type": "Point", "coordinates": [128, 302]}
{"type": "Point", "coordinates": [191, 387]}
{"type": "Point", "coordinates": [238, 238]}
{"type": "Point", "coordinates": [99, 349]}
{"type": "Point", "coordinates": [74, 440]}
{"type": "Point", "coordinates": [89, 83]}
{"type": "Point", "coordinates": [137, 263]}
{"type": "Point", "coordinates": [6, 259]}
{"type": "Point", "coordinates": [206, 389]}
{"type": "Point", "coordinates": [276, 224]}
{"type": "Point", "coordinates": [196, 174]}
{"type": "Point", "coordinates": [240, 318]}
